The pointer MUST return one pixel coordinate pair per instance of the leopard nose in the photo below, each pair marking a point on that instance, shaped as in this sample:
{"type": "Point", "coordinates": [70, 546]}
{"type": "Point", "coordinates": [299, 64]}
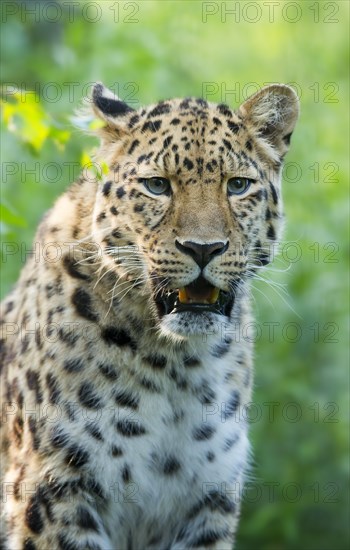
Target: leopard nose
{"type": "Point", "coordinates": [202, 253]}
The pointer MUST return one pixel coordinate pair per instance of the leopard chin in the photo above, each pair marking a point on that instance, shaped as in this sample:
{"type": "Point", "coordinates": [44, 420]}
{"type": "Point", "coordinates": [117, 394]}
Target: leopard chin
{"type": "Point", "coordinates": [187, 324]}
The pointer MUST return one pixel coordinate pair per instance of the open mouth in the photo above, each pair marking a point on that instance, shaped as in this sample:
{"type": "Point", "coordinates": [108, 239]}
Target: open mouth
{"type": "Point", "coordinates": [198, 297]}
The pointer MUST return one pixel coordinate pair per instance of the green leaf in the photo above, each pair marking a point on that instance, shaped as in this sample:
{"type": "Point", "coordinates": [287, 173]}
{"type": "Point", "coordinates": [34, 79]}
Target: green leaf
{"type": "Point", "coordinates": [9, 217]}
{"type": "Point", "coordinates": [26, 118]}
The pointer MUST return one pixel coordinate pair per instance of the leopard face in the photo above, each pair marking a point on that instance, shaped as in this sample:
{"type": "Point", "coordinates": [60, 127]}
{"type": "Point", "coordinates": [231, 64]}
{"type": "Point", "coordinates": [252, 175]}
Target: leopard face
{"type": "Point", "coordinates": [191, 205]}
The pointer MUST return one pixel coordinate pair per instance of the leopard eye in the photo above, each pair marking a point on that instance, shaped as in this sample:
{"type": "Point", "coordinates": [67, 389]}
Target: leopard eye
{"type": "Point", "coordinates": [157, 186]}
{"type": "Point", "coordinates": [237, 186]}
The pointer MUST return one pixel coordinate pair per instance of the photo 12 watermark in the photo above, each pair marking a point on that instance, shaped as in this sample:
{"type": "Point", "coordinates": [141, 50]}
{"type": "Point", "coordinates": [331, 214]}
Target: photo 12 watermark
{"type": "Point", "coordinates": [270, 11]}
{"type": "Point", "coordinates": [71, 11]}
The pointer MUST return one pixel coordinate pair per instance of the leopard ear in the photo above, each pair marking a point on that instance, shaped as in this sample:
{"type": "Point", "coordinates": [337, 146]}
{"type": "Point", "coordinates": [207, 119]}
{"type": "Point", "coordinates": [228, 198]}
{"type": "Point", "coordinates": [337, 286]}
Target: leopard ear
{"type": "Point", "coordinates": [107, 106]}
{"type": "Point", "coordinates": [273, 111]}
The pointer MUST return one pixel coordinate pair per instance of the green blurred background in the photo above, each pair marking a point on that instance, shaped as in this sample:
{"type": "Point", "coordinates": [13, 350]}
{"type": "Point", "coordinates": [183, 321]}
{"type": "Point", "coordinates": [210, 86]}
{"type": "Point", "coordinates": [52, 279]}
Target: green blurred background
{"type": "Point", "coordinates": [297, 496]}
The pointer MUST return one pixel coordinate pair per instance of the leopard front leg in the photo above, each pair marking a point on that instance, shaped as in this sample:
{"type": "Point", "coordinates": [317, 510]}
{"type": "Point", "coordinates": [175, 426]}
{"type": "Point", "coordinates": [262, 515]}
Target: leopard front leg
{"type": "Point", "coordinates": [211, 524]}
{"type": "Point", "coordinates": [63, 513]}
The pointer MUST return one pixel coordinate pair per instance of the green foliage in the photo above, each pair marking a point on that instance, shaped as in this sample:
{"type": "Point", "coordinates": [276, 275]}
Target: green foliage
{"type": "Point", "coordinates": [150, 50]}
{"type": "Point", "coordinates": [25, 117]}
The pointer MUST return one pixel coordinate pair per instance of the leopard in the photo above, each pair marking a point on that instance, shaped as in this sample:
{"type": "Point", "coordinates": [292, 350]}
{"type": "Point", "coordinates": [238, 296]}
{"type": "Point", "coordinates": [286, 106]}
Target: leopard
{"type": "Point", "coordinates": [125, 375]}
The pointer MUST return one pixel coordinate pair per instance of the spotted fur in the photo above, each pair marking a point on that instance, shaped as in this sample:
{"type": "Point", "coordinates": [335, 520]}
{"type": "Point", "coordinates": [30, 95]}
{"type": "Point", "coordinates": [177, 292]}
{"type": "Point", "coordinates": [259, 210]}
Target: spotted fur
{"type": "Point", "coordinates": [122, 428]}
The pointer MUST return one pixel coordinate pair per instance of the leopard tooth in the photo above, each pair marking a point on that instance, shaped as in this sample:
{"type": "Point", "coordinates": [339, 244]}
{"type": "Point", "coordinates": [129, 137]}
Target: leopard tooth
{"type": "Point", "coordinates": [183, 299]}
{"type": "Point", "coordinates": [214, 295]}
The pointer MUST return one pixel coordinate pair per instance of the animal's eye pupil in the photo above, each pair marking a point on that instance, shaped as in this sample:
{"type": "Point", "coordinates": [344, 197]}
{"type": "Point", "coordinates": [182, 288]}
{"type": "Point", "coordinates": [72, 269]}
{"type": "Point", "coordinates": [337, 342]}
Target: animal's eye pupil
{"type": "Point", "coordinates": [157, 186]}
{"type": "Point", "coordinates": [237, 186]}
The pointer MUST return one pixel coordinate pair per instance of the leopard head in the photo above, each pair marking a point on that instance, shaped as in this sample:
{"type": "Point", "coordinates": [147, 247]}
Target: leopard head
{"type": "Point", "coordinates": [190, 206]}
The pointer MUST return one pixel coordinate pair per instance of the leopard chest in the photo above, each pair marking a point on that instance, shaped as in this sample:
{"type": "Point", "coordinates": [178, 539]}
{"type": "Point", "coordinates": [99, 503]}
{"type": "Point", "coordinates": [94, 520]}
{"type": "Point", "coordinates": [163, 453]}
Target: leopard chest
{"type": "Point", "coordinates": [163, 448]}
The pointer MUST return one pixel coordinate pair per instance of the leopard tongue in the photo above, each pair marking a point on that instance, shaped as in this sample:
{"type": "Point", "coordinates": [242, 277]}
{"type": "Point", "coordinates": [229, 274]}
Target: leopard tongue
{"type": "Point", "coordinates": [188, 295]}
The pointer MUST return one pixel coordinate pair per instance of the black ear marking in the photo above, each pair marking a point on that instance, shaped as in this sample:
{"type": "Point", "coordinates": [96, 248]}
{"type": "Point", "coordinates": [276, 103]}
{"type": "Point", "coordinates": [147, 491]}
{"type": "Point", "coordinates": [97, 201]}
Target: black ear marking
{"type": "Point", "coordinates": [103, 99]}
{"type": "Point", "coordinates": [287, 137]}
